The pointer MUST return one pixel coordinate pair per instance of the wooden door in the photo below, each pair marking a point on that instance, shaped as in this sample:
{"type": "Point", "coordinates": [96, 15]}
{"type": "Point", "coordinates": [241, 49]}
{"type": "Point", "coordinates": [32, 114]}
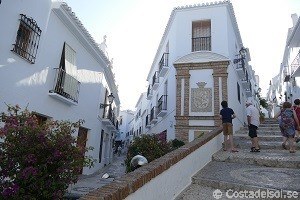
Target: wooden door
{"type": "Point", "coordinates": [81, 140]}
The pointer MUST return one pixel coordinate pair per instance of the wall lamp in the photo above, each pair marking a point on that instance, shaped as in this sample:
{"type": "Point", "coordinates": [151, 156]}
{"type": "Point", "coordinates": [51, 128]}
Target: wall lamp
{"type": "Point", "coordinates": [242, 53]}
{"type": "Point", "coordinates": [110, 101]}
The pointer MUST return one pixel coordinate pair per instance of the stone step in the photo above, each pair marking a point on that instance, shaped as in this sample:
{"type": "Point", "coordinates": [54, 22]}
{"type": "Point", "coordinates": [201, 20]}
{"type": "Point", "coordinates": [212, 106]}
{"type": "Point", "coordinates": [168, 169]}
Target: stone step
{"type": "Point", "coordinates": [264, 126]}
{"type": "Point", "coordinates": [262, 129]}
{"type": "Point", "coordinates": [262, 132]}
{"type": "Point", "coordinates": [269, 120]}
{"type": "Point", "coordinates": [269, 158]}
{"type": "Point", "coordinates": [246, 144]}
{"type": "Point", "coordinates": [240, 176]}
{"type": "Point", "coordinates": [269, 125]}
{"type": "Point", "coordinates": [199, 192]}
{"type": "Point", "coordinates": [196, 192]}
{"type": "Point", "coordinates": [261, 137]}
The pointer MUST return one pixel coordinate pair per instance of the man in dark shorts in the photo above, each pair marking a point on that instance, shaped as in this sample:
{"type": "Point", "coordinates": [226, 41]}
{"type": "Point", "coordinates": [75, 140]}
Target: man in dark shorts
{"type": "Point", "coordinates": [227, 114]}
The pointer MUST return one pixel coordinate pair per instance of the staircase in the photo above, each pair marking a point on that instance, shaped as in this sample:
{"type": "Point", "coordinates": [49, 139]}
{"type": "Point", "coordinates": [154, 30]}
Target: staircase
{"type": "Point", "coordinates": [271, 173]}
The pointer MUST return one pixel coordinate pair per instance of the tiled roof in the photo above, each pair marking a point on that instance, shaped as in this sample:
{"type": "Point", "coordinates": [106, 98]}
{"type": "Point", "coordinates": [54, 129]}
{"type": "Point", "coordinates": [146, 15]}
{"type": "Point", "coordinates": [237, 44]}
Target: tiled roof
{"type": "Point", "coordinates": [83, 29]}
{"type": "Point", "coordinates": [63, 10]}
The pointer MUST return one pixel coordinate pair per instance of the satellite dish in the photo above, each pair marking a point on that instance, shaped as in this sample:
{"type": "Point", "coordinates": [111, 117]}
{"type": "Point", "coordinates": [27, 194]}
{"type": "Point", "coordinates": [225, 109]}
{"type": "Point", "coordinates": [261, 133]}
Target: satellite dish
{"type": "Point", "coordinates": [138, 161]}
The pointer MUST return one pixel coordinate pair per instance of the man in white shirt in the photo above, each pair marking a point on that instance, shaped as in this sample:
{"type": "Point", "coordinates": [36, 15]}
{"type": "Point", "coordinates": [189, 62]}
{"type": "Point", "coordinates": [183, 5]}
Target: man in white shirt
{"type": "Point", "coordinates": [253, 123]}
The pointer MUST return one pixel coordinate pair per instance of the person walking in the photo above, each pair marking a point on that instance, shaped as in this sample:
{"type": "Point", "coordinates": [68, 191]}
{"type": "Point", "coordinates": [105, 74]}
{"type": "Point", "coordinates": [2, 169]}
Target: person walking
{"type": "Point", "coordinates": [226, 115]}
{"type": "Point", "coordinates": [253, 123]}
{"type": "Point", "coordinates": [119, 150]}
{"type": "Point", "coordinates": [288, 122]}
{"type": "Point", "coordinates": [296, 108]}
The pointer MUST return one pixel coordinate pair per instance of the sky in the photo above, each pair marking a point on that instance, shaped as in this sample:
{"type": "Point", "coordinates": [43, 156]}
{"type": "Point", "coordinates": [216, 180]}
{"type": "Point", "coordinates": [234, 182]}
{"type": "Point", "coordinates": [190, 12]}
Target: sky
{"type": "Point", "coordinates": [134, 29]}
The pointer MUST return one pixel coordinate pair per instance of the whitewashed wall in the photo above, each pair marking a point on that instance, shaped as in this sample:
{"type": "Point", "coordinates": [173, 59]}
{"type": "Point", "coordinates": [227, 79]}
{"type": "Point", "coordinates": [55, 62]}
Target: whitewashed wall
{"type": "Point", "coordinates": [178, 35]}
{"type": "Point", "coordinates": [172, 181]}
{"type": "Point", "coordinates": [29, 84]}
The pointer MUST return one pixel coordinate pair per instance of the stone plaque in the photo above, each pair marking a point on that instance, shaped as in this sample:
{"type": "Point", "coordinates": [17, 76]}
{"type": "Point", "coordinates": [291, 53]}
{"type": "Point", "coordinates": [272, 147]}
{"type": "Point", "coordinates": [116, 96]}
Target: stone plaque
{"type": "Point", "coordinates": [201, 98]}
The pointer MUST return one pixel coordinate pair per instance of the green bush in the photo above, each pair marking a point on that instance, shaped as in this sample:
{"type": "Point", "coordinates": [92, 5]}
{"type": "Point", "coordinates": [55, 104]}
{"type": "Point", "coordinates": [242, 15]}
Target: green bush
{"type": "Point", "coordinates": [38, 161]}
{"type": "Point", "coordinates": [151, 147]}
{"type": "Point", "coordinates": [176, 144]}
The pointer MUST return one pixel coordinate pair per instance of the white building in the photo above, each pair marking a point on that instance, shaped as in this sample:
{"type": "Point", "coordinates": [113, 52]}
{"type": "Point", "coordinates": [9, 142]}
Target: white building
{"type": "Point", "coordinates": [125, 119]}
{"type": "Point", "coordinates": [286, 85]}
{"type": "Point", "coordinates": [51, 63]}
{"type": "Point", "coordinates": [200, 61]}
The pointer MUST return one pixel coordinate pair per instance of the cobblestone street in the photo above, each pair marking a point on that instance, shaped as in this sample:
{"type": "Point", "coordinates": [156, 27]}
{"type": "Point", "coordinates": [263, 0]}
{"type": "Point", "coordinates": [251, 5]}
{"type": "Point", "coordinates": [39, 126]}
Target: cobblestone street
{"type": "Point", "coordinates": [87, 183]}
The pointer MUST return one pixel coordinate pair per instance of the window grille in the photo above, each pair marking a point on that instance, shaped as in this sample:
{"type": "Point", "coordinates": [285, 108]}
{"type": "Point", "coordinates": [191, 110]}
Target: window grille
{"type": "Point", "coordinates": [28, 37]}
{"type": "Point", "coordinates": [238, 92]}
{"type": "Point", "coordinates": [201, 36]}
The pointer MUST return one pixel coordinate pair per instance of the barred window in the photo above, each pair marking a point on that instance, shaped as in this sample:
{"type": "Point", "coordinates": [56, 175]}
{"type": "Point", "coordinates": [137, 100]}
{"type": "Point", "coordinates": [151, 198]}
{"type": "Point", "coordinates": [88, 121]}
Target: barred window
{"type": "Point", "coordinates": [238, 92]}
{"type": "Point", "coordinates": [28, 37]}
{"type": "Point", "coordinates": [201, 35]}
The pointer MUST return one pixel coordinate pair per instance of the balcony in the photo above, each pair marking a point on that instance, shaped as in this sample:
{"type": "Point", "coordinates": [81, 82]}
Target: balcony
{"type": "Point", "coordinates": [248, 93]}
{"type": "Point", "coordinates": [240, 66]}
{"type": "Point", "coordinates": [66, 87]}
{"type": "Point", "coordinates": [246, 84]}
{"type": "Point", "coordinates": [153, 115]}
{"type": "Point", "coordinates": [147, 123]}
{"type": "Point", "coordinates": [149, 92]}
{"type": "Point", "coordinates": [163, 65]}
{"type": "Point", "coordinates": [109, 120]}
{"type": "Point", "coordinates": [155, 81]}
{"type": "Point", "coordinates": [295, 66]}
{"type": "Point", "coordinates": [162, 106]}
{"type": "Point", "coordinates": [201, 44]}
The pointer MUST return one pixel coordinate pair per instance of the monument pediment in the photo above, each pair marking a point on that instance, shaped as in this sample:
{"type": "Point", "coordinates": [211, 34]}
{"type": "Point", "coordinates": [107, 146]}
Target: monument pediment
{"type": "Point", "coordinates": [201, 57]}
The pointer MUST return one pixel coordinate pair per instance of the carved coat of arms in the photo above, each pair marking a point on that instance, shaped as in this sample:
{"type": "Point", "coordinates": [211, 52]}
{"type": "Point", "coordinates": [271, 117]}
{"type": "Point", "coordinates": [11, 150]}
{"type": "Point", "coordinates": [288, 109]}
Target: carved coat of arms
{"type": "Point", "coordinates": [201, 98]}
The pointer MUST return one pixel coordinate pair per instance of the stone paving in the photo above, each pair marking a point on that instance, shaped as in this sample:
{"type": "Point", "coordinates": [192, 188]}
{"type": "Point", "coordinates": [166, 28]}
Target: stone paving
{"type": "Point", "coordinates": [87, 183]}
{"type": "Point", "coordinates": [236, 175]}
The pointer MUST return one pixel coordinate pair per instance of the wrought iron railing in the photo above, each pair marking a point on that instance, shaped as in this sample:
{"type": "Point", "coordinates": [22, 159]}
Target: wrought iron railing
{"type": "Point", "coordinates": [162, 103]}
{"type": "Point", "coordinates": [295, 64]}
{"type": "Point", "coordinates": [66, 85]}
{"type": "Point", "coordinates": [149, 90]}
{"type": "Point", "coordinates": [164, 61]}
{"type": "Point", "coordinates": [110, 115]}
{"type": "Point", "coordinates": [28, 38]}
{"type": "Point", "coordinates": [147, 120]}
{"type": "Point", "coordinates": [240, 62]}
{"type": "Point", "coordinates": [153, 114]}
{"type": "Point", "coordinates": [201, 43]}
{"type": "Point", "coordinates": [155, 78]}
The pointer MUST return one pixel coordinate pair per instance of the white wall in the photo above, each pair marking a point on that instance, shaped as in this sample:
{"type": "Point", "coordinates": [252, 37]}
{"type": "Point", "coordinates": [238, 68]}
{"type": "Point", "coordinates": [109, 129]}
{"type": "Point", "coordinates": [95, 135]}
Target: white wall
{"type": "Point", "coordinates": [29, 84]}
{"type": "Point", "coordinates": [172, 181]}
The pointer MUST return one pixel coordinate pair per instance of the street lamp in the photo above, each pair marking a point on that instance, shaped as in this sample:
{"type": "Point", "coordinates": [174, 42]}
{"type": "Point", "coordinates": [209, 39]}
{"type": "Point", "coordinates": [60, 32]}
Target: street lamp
{"type": "Point", "coordinates": [242, 53]}
{"type": "Point", "coordinates": [258, 92]}
{"type": "Point", "coordinates": [110, 101]}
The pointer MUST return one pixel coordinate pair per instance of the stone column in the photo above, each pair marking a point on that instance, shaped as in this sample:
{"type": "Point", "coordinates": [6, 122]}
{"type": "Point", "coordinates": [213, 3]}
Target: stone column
{"type": "Point", "coordinates": [219, 72]}
{"type": "Point", "coordinates": [182, 121]}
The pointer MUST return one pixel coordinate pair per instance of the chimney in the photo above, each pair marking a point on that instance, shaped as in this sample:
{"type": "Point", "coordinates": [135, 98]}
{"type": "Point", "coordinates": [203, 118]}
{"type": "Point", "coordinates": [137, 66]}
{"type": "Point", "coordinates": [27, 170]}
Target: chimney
{"type": "Point", "coordinates": [294, 19]}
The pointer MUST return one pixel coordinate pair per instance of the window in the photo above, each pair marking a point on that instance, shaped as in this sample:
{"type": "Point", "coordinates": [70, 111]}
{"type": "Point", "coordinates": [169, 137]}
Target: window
{"type": "Point", "coordinates": [81, 140]}
{"type": "Point", "coordinates": [101, 145]}
{"type": "Point", "coordinates": [65, 82]}
{"type": "Point", "coordinates": [238, 92]}
{"type": "Point", "coordinates": [28, 38]}
{"type": "Point", "coordinates": [201, 35]}
{"type": "Point", "coordinates": [41, 118]}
